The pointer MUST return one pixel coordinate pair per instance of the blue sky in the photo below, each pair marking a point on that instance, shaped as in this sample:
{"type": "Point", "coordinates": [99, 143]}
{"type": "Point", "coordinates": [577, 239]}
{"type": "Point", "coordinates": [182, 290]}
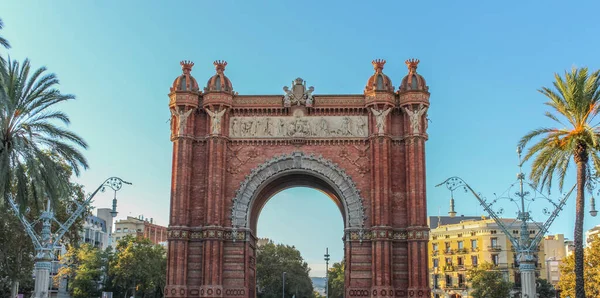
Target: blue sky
{"type": "Point", "coordinates": [483, 62]}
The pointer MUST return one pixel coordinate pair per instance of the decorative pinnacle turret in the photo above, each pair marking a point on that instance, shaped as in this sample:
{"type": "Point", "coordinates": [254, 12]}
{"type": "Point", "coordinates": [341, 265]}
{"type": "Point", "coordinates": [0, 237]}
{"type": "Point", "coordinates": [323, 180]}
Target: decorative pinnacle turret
{"type": "Point", "coordinates": [186, 65]}
{"type": "Point", "coordinates": [412, 64]}
{"type": "Point", "coordinates": [220, 65]}
{"type": "Point", "coordinates": [452, 213]}
{"type": "Point", "coordinates": [378, 64]}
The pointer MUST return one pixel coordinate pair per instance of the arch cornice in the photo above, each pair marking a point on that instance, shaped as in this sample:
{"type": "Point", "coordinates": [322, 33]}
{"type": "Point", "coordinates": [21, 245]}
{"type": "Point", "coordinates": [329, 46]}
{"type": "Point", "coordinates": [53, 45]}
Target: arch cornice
{"type": "Point", "coordinates": [298, 162]}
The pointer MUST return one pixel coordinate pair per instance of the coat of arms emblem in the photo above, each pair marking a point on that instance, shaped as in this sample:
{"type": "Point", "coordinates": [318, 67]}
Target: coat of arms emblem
{"type": "Point", "coordinates": [298, 94]}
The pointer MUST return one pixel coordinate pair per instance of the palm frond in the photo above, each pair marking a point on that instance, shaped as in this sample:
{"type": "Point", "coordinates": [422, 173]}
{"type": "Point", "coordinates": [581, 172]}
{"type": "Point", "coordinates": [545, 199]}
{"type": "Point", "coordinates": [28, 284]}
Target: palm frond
{"type": "Point", "coordinates": [33, 146]}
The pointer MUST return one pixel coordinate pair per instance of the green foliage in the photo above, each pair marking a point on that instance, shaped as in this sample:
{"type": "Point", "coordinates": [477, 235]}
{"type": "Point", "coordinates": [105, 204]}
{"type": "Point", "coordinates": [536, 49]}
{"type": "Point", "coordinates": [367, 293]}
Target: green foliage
{"type": "Point", "coordinates": [336, 280]}
{"type": "Point", "coordinates": [16, 253]}
{"type": "Point", "coordinates": [566, 284]}
{"type": "Point", "coordinates": [544, 289]}
{"type": "Point", "coordinates": [4, 43]}
{"type": "Point", "coordinates": [575, 102]}
{"type": "Point", "coordinates": [138, 263]}
{"type": "Point", "coordinates": [83, 266]}
{"type": "Point", "coordinates": [271, 261]}
{"type": "Point", "coordinates": [29, 127]}
{"type": "Point", "coordinates": [488, 283]}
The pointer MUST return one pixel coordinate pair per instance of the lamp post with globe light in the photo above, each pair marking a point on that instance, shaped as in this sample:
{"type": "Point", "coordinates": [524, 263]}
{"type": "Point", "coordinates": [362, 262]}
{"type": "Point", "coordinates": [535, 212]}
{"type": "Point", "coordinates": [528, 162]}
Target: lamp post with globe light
{"type": "Point", "coordinates": [525, 246]}
{"type": "Point", "coordinates": [46, 242]}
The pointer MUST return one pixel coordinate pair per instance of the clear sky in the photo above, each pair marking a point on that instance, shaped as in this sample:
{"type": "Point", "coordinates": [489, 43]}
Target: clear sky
{"type": "Point", "coordinates": [483, 61]}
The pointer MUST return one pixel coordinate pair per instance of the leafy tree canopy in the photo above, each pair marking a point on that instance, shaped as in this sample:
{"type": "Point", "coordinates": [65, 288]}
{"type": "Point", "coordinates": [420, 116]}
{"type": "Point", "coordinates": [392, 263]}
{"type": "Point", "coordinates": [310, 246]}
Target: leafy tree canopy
{"type": "Point", "coordinates": [488, 283]}
{"type": "Point", "coordinates": [336, 280]}
{"type": "Point", "coordinates": [566, 284]}
{"type": "Point", "coordinates": [138, 264]}
{"type": "Point", "coordinates": [271, 261]}
{"type": "Point", "coordinates": [83, 266]}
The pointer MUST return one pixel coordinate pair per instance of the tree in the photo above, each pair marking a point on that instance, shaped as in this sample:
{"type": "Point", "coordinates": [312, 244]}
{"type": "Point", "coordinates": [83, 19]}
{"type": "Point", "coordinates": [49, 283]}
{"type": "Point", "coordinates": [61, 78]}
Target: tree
{"type": "Point", "coordinates": [566, 283]}
{"type": "Point", "coordinates": [83, 266]}
{"type": "Point", "coordinates": [576, 100]}
{"type": "Point", "coordinates": [138, 264]}
{"type": "Point", "coordinates": [488, 283]}
{"type": "Point", "coordinates": [17, 253]}
{"type": "Point", "coordinates": [544, 289]}
{"type": "Point", "coordinates": [336, 280]}
{"type": "Point", "coordinates": [28, 129]}
{"type": "Point", "coordinates": [271, 261]}
{"type": "Point", "coordinates": [6, 45]}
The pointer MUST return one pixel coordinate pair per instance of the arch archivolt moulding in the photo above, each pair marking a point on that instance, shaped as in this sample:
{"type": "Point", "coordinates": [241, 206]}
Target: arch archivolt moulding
{"type": "Point", "coordinates": [318, 166]}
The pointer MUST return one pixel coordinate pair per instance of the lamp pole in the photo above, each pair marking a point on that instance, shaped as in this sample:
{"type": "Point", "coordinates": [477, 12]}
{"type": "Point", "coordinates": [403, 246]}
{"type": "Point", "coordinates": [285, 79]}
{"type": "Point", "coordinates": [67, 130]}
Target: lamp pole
{"type": "Point", "coordinates": [283, 286]}
{"type": "Point", "coordinates": [327, 272]}
{"type": "Point", "coordinates": [47, 242]}
{"type": "Point", "coordinates": [525, 246]}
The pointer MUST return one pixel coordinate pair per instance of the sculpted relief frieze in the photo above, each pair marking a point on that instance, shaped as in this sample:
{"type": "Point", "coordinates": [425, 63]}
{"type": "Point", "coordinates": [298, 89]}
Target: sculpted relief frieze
{"type": "Point", "coordinates": [299, 126]}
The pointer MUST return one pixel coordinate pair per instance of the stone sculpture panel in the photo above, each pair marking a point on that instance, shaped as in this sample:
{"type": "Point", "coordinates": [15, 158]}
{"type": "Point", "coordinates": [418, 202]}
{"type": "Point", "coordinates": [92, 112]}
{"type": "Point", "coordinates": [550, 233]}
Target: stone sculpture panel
{"type": "Point", "coordinates": [299, 126]}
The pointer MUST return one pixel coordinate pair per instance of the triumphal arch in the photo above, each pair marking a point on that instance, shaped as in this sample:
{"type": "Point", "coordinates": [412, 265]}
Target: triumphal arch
{"type": "Point", "coordinates": [233, 152]}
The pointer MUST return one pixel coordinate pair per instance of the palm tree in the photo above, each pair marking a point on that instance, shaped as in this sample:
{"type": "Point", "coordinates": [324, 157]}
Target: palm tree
{"type": "Point", "coordinates": [6, 45]}
{"type": "Point", "coordinates": [576, 100]}
{"type": "Point", "coordinates": [32, 141]}
{"type": "Point", "coordinates": [3, 41]}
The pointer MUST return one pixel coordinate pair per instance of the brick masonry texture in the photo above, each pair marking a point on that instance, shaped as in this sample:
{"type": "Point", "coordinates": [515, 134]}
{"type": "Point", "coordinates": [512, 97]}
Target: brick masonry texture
{"type": "Point", "coordinates": [211, 255]}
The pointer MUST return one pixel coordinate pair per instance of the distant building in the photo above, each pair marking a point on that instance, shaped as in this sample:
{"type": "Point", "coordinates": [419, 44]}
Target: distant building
{"type": "Point", "coordinates": [262, 241]}
{"type": "Point", "coordinates": [555, 252]}
{"type": "Point", "coordinates": [140, 227]}
{"type": "Point", "coordinates": [457, 244]}
{"type": "Point", "coordinates": [591, 234]}
{"type": "Point", "coordinates": [97, 229]}
{"type": "Point", "coordinates": [569, 247]}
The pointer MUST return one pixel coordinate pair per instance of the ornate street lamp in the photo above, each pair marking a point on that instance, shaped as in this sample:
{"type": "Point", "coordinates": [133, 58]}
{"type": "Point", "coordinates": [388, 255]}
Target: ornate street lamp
{"type": "Point", "coordinates": [525, 246]}
{"type": "Point", "coordinates": [47, 242]}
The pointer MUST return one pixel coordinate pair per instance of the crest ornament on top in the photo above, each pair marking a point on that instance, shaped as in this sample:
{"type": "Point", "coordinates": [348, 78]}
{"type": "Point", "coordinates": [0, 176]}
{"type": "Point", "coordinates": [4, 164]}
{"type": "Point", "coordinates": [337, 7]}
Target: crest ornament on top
{"type": "Point", "coordinates": [298, 94]}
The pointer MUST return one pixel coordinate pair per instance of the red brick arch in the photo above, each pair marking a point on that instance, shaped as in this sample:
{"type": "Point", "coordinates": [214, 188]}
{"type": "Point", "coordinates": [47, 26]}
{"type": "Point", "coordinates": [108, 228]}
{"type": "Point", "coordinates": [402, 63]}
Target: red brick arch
{"type": "Point", "coordinates": [296, 169]}
{"type": "Point", "coordinates": [232, 153]}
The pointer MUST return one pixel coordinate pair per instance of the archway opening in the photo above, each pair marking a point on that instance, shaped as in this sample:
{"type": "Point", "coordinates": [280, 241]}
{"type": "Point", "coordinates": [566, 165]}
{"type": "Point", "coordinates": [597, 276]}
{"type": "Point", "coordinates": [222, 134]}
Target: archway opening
{"type": "Point", "coordinates": [307, 216]}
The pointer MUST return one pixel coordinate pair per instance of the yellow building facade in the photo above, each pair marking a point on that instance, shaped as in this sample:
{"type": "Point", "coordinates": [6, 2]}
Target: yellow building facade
{"type": "Point", "coordinates": [457, 244]}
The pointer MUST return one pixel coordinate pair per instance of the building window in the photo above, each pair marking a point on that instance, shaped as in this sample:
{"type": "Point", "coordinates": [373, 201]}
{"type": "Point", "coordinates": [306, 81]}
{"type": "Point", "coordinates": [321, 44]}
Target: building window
{"type": "Point", "coordinates": [493, 232]}
{"type": "Point", "coordinates": [448, 281]}
{"type": "Point", "coordinates": [118, 229]}
{"type": "Point", "coordinates": [494, 242]}
{"type": "Point", "coordinates": [495, 259]}
{"type": "Point", "coordinates": [447, 246]}
{"type": "Point", "coordinates": [474, 261]}
{"type": "Point", "coordinates": [461, 245]}
{"type": "Point", "coordinates": [459, 261]}
{"type": "Point", "coordinates": [474, 244]}
{"type": "Point", "coordinates": [436, 263]}
{"type": "Point", "coordinates": [434, 246]}
{"type": "Point", "coordinates": [118, 238]}
{"type": "Point", "coordinates": [448, 261]}
{"type": "Point", "coordinates": [435, 281]}
{"type": "Point", "coordinates": [126, 230]}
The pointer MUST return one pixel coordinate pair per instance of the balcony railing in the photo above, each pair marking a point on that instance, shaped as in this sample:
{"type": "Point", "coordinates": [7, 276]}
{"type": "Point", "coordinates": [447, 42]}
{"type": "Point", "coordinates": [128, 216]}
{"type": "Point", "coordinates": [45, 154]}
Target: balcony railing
{"type": "Point", "coordinates": [462, 251]}
{"type": "Point", "coordinates": [448, 251]}
{"type": "Point", "coordinates": [494, 248]}
{"type": "Point", "coordinates": [435, 253]}
{"type": "Point", "coordinates": [461, 267]}
{"type": "Point", "coordinates": [474, 249]}
{"type": "Point", "coordinates": [500, 266]}
{"type": "Point", "coordinates": [448, 268]}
